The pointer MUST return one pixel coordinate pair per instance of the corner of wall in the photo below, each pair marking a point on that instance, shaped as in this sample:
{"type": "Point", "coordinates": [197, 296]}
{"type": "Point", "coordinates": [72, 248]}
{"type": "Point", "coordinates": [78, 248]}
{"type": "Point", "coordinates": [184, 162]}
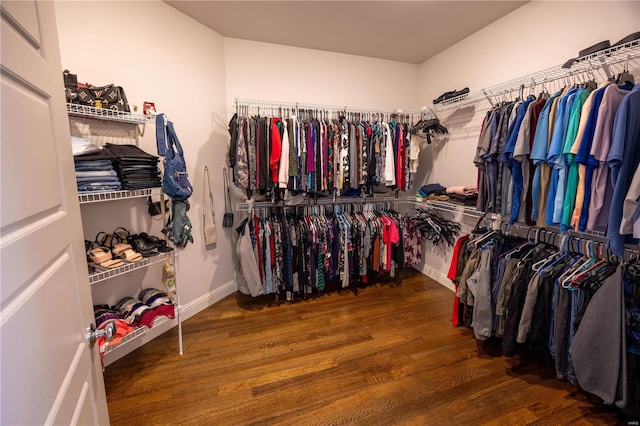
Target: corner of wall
{"type": "Point", "coordinates": [208, 299]}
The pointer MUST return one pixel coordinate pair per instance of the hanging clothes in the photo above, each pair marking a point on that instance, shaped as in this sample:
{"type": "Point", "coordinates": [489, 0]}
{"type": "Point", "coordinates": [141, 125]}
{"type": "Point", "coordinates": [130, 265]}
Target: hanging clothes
{"type": "Point", "coordinates": [570, 309]}
{"type": "Point", "coordinates": [308, 154]}
{"type": "Point", "coordinates": [298, 253]}
{"type": "Point", "coordinates": [552, 160]}
{"type": "Point", "coordinates": [624, 159]}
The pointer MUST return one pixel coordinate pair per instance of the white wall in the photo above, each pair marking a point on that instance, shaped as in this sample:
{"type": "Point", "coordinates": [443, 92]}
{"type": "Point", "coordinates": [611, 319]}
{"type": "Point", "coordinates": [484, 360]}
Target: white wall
{"type": "Point", "coordinates": [536, 36]}
{"type": "Point", "coordinates": [270, 72]}
{"type": "Point", "coordinates": [158, 54]}
{"type": "Point", "coordinates": [290, 74]}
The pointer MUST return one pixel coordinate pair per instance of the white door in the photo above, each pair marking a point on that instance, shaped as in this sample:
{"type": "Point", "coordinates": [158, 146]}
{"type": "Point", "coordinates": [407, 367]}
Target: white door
{"type": "Point", "coordinates": [48, 373]}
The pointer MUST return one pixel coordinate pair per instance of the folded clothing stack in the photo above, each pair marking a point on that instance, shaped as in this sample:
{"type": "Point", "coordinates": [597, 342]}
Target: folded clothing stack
{"type": "Point", "coordinates": [159, 301]}
{"type": "Point", "coordinates": [105, 315]}
{"type": "Point", "coordinates": [130, 312]}
{"type": "Point", "coordinates": [136, 168]}
{"type": "Point", "coordinates": [432, 189]}
{"type": "Point", "coordinates": [142, 311]}
{"type": "Point", "coordinates": [95, 172]}
{"type": "Point", "coordinates": [463, 190]}
{"type": "Point", "coordinates": [465, 195]}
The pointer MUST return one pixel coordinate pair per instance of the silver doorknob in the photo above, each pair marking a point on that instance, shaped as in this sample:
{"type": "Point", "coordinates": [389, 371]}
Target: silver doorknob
{"type": "Point", "coordinates": [109, 331]}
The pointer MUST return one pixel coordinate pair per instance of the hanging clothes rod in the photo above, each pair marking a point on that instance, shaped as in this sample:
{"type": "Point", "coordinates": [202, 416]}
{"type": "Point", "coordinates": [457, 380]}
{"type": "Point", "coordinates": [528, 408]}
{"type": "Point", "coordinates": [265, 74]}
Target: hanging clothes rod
{"type": "Point", "coordinates": [249, 205]}
{"type": "Point", "coordinates": [590, 235]}
{"type": "Point", "coordinates": [601, 60]}
{"type": "Point", "coordinates": [267, 104]}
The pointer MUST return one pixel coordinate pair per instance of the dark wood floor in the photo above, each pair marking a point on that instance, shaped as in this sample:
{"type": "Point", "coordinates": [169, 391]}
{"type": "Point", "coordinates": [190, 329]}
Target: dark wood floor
{"type": "Point", "coordinates": [386, 356]}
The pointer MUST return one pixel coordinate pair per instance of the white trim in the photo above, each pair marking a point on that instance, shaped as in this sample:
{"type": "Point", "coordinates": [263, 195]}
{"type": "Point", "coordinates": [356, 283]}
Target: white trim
{"type": "Point", "coordinates": [186, 311]}
{"type": "Point", "coordinates": [438, 276]}
{"type": "Point", "coordinates": [206, 300]}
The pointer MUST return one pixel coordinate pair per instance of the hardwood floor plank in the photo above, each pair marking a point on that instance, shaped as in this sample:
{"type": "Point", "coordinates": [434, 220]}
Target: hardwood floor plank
{"type": "Point", "coordinates": [388, 356]}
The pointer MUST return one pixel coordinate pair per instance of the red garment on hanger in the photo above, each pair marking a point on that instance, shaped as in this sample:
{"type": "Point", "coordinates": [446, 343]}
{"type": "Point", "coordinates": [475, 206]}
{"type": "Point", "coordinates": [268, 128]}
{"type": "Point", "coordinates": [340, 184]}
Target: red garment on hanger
{"type": "Point", "coordinates": [276, 149]}
{"type": "Point", "coordinates": [453, 272]}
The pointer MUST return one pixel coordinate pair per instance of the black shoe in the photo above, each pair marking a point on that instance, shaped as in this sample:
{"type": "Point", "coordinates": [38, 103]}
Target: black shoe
{"type": "Point", "coordinates": [629, 39]}
{"type": "Point", "coordinates": [462, 92]}
{"type": "Point", "coordinates": [445, 95]}
{"type": "Point", "coordinates": [569, 63]}
{"type": "Point", "coordinates": [595, 48]}
{"type": "Point", "coordinates": [457, 94]}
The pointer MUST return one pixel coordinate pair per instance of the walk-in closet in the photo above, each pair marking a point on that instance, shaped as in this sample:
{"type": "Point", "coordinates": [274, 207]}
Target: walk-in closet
{"type": "Point", "coordinates": [313, 212]}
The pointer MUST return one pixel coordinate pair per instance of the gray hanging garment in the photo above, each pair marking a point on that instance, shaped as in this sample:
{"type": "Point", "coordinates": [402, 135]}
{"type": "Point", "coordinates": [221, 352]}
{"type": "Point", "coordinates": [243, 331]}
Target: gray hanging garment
{"type": "Point", "coordinates": [248, 275]}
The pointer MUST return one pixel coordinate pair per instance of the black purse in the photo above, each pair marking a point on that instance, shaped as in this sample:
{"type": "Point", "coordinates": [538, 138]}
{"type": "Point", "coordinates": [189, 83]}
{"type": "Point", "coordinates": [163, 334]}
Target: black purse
{"type": "Point", "coordinates": [108, 97]}
{"type": "Point", "coordinates": [155, 207]}
{"type": "Point", "coordinates": [227, 219]}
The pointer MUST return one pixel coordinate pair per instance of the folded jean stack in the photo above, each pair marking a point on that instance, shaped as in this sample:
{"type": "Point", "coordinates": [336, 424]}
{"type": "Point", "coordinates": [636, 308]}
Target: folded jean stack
{"type": "Point", "coordinates": [136, 168]}
{"type": "Point", "coordinates": [95, 172]}
{"type": "Point", "coordinates": [116, 167]}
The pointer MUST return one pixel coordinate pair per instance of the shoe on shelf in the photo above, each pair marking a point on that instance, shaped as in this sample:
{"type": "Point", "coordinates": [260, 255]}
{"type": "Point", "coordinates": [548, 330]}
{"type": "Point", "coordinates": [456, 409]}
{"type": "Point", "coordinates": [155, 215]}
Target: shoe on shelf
{"type": "Point", "coordinates": [125, 252]}
{"type": "Point", "coordinates": [101, 256]}
{"type": "Point", "coordinates": [153, 241]}
{"type": "Point", "coordinates": [628, 39]}
{"type": "Point", "coordinates": [141, 246]}
{"type": "Point", "coordinates": [444, 96]}
{"type": "Point", "coordinates": [119, 247]}
{"type": "Point", "coordinates": [595, 48]}
{"type": "Point", "coordinates": [451, 95]}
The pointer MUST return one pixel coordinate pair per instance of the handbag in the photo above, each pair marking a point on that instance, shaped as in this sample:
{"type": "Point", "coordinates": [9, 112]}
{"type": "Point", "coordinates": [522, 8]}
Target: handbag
{"type": "Point", "coordinates": [108, 97]}
{"type": "Point", "coordinates": [227, 220]}
{"type": "Point", "coordinates": [175, 181]}
{"type": "Point", "coordinates": [155, 207]}
{"type": "Point", "coordinates": [210, 236]}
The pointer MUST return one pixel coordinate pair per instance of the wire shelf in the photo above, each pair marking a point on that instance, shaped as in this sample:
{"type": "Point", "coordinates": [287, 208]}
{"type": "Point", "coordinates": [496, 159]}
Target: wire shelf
{"type": "Point", "coordinates": [584, 64]}
{"type": "Point", "coordinates": [96, 197]}
{"type": "Point", "coordinates": [451, 207]}
{"type": "Point", "coordinates": [249, 205]}
{"type": "Point", "coordinates": [138, 332]}
{"type": "Point", "coordinates": [88, 111]}
{"type": "Point", "coordinates": [271, 104]}
{"type": "Point", "coordinates": [128, 267]}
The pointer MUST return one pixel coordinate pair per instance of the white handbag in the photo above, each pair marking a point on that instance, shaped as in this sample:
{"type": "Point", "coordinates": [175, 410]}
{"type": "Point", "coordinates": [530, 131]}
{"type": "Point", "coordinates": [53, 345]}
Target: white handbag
{"type": "Point", "coordinates": [210, 234]}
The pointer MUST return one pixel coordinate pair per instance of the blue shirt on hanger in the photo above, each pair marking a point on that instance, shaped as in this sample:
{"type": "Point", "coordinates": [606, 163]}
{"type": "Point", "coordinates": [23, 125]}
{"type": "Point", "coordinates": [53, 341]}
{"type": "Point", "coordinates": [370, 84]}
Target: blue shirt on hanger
{"type": "Point", "coordinates": [582, 157]}
{"type": "Point", "coordinates": [554, 158]}
{"type": "Point", "coordinates": [623, 159]}
{"type": "Point", "coordinates": [539, 152]}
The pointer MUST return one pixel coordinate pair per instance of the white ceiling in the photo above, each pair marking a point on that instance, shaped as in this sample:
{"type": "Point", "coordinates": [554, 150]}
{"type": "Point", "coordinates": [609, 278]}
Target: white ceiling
{"type": "Point", "coordinates": [405, 31]}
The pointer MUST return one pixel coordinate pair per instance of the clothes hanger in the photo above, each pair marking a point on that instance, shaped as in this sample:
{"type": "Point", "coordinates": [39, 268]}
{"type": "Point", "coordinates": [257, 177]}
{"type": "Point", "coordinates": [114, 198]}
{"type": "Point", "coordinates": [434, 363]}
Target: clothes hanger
{"type": "Point", "coordinates": [625, 78]}
{"type": "Point", "coordinates": [575, 282]}
{"type": "Point", "coordinates": [584, 262]}
{"type": "Point", "coordinates": [481, 239]}
{"type": "Point", "coordinates": [555, 257]}
{"type": "Point", "coordinates": [519, 247]}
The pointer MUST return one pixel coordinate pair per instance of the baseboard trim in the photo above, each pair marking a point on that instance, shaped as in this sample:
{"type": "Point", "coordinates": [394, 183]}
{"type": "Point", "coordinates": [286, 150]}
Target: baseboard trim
{"type": "Point", "coordinates": [186, 311]}
{"type": "Point", "coordinates": [438, 276]}
{"type": "Point", "coordinates": [206, 300]}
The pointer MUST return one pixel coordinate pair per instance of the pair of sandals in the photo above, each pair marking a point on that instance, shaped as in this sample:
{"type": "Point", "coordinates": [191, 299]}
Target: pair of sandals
{"type": "Point", "coordinates": [119, 245]}
{"type": "Point", "coordinates": [102, 257]}
{"type": "Point", "coordinates": [110, 251]}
